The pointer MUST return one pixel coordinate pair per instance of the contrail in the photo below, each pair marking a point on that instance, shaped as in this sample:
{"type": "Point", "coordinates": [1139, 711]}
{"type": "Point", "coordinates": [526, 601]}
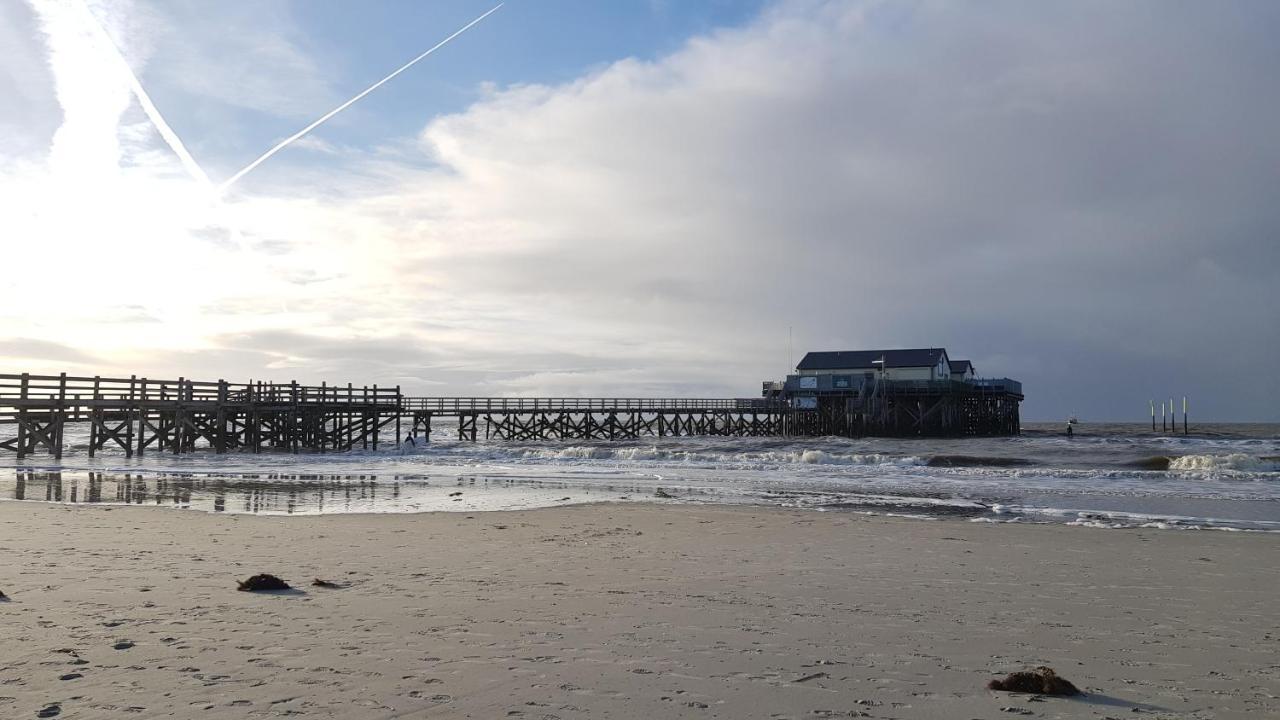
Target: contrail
{"type": "Point", "coordinates": [284, 143]}
{"type": "Point", "coordinates": [148, 107]}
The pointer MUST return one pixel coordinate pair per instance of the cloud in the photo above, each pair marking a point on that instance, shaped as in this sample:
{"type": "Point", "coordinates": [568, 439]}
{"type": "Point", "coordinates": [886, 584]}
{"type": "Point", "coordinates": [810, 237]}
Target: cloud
{"type": "Point", "coordinates": [43, 351]}
{"type": "Point", "coordinates": [1047, 191]}
{"type": "Point", "coordinates": [1072, 195]}
{"type": "Point", "coordinates": [28, 117]}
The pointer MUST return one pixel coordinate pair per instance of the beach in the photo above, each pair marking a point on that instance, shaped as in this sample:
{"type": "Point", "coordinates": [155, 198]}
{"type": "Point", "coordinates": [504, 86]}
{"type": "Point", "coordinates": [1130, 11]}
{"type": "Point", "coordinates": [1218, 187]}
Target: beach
{"type": "Point", "coordinates": [626, 611]}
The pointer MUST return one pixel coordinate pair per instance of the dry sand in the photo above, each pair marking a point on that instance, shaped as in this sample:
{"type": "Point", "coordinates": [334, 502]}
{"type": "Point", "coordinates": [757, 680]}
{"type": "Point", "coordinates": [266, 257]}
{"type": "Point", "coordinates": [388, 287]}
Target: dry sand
{"type": "Point", "coordinates": [626, 611]}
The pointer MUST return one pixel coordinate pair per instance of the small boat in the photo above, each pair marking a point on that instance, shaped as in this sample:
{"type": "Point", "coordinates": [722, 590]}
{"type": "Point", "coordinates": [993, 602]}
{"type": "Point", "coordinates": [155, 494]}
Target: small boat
{"type": "Point", "coordinates": [1071, 420]}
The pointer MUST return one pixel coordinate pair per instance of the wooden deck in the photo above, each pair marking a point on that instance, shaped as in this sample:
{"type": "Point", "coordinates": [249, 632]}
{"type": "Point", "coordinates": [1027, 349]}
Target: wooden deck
{"type": "Point", "coordinates": [136, 414]}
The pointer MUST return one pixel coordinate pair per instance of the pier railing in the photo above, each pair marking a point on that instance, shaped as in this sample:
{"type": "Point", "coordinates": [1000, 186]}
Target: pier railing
{"type": "Point", "coordinates": [532, 405]}
{"type": "Point", "coordinates": [26, 390]}
{"type": "Point", "coordinates": [930, 387]}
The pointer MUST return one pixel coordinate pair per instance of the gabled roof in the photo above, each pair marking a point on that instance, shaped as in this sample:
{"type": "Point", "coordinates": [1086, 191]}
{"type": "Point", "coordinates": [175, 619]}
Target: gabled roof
{"type": "Point", "coordinates": [863, 359]}
{"type": "Point", "coordinates": [960, 367]}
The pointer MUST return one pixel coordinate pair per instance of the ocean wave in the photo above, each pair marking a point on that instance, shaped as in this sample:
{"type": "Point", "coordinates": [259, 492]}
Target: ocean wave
{"type": "Point", "coordinates": [656, 454]}
{"type": "Point", "coordinates": [1155, 462]}
{"type": "Point", "coordinates": [1116, 520]}
{"type": "Point", "coordinates": [1233, 461]}
{"type": "Point", "coordinates": [977, 461]}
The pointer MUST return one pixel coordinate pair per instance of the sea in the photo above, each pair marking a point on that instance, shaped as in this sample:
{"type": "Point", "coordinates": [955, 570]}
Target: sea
{"type": "Point", "coordinates": [1107, 476]}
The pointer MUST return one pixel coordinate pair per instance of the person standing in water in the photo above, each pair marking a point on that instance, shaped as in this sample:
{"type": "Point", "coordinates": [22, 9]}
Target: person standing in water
{"type": "Point", "coordinates": [1070, 432]}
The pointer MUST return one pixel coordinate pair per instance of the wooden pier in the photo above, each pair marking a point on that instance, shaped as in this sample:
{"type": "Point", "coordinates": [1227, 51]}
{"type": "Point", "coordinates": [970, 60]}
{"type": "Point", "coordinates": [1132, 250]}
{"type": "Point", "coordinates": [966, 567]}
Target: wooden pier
{"type": "Point", "coordinates": [135, 415]}
{"type": "Point", "coordinates": [601, 418]}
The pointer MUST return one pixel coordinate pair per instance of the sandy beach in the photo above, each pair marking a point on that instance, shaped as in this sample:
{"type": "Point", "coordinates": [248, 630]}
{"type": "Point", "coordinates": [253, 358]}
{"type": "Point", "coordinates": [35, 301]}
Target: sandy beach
{"type": "Point", "coordinates": [626, 611]}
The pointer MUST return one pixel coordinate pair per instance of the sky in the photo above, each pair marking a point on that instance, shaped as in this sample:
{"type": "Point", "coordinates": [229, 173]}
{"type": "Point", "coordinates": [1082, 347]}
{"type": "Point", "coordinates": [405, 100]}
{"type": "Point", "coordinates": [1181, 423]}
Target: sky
{"type": "Point", "coordinates": [649, 197]}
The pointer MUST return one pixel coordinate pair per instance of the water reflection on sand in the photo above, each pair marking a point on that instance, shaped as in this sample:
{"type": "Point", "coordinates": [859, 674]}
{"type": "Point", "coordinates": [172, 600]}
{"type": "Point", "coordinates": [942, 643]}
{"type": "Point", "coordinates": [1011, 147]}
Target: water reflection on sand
{"type": "Point", "coordinates": [305, 493]}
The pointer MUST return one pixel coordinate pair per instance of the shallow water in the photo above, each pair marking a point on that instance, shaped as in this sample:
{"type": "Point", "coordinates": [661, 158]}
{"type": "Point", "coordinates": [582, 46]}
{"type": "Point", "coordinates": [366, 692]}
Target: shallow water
{"type": "Point", "coordinates": [1219, 476]}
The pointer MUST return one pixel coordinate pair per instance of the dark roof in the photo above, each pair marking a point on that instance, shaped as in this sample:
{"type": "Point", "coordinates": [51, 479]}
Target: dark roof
{"type": "Point", "coordinates": [959, 367]}
{"type": "Point", "coordinates": [862, 359]}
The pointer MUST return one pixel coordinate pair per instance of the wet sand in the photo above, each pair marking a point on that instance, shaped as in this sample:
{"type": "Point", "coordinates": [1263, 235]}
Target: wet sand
{"type": "Point", "coordinates": [626, 611]}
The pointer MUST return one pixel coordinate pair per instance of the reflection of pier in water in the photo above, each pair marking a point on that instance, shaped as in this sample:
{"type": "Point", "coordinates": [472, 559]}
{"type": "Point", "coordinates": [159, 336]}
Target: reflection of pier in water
{"type": "Point", "coordinates": [279, 493]}
{"type": "Point", "coordinates": [247, 493]}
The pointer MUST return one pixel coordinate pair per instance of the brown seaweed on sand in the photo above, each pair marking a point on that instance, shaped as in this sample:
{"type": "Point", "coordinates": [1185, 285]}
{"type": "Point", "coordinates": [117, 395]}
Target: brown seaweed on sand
{"type": "Point", "coordinates": [1042, 680]}
{"type": "Point", "coordinates": [263, 582]}
{"type": "Point", "coordinates": [326, 584]}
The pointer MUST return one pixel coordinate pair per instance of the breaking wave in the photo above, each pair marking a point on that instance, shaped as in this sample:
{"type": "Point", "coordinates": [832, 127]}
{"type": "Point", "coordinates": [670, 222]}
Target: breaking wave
{"type": "Point", "coordinates": [656, 454]}
{"type": "Point", "coordinates": [1155, 462]}
{"type": "Point", "coordinates": [1234, 461]}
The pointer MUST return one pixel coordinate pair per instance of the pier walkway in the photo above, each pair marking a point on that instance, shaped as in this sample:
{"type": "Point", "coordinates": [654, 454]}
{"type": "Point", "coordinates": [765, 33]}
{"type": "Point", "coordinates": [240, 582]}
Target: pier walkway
{"type": "Point", "coordinates": [136, 414]}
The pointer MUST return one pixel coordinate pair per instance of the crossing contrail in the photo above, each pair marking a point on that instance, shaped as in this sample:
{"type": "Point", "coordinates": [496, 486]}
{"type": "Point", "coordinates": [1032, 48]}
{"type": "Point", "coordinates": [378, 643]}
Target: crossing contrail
{"type": "Point", "coordinates": [285, 143]}
{"type": "Point", "coordinates": [148, 107]}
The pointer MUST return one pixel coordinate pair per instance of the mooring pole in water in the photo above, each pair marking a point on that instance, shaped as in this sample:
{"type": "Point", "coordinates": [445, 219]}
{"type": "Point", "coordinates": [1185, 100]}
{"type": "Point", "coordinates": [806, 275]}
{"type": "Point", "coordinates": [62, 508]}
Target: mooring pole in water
{"type": "Point", "coordinates": [1164, 424]}
{"type": "Point", "coordinates": [1153, 415]}
{"type": "Point", "coordinates": [1184, 414]}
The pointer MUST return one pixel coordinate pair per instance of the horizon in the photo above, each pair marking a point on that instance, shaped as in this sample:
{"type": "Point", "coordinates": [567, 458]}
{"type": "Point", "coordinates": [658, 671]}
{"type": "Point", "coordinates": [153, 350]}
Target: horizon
{"type": "Point", "coordinates": [649, 199]}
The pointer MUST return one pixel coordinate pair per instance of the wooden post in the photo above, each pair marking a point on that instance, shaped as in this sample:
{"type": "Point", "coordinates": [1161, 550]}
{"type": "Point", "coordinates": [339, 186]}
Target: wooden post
{"type": "Point", "coordinates": [377, 418]}
{"type": "Point", "coordinates": [1184, 414]}
{"type": "Point", "coordinates": [398, 440]}
{"type": "Point", "coordinates": [95, 415]}
{"type": "Point", "coordinates": [1164, 425]}
{"type": "Point", "coordinates": [142, 417]}
{"type": "Point", "coordinates": [1153, 415]}
{"type": "Point", "coordinates": [220, 421]}
{"type": "Point", "coordinates": [61, 416]}
{"type": "Point", "coordinates": [22, 416]}
{"type": "Point", "coordinates": [128, 419]}
{"type": "Point", "coordinates": [177, 420]}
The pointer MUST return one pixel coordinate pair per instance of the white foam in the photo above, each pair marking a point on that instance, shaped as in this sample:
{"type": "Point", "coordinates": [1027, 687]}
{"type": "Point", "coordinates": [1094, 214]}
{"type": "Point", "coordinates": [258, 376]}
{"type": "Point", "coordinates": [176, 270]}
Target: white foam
{"type": "Point", "coordinates": [1233, 461]}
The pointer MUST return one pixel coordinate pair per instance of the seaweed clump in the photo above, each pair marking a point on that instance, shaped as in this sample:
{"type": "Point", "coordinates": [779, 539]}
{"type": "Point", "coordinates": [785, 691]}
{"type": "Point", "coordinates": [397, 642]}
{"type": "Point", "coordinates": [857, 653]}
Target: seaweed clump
{"type": "Point", "coordinates": [261, 583]}
{"type": "Point", "coordinates": [1042, 680]}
